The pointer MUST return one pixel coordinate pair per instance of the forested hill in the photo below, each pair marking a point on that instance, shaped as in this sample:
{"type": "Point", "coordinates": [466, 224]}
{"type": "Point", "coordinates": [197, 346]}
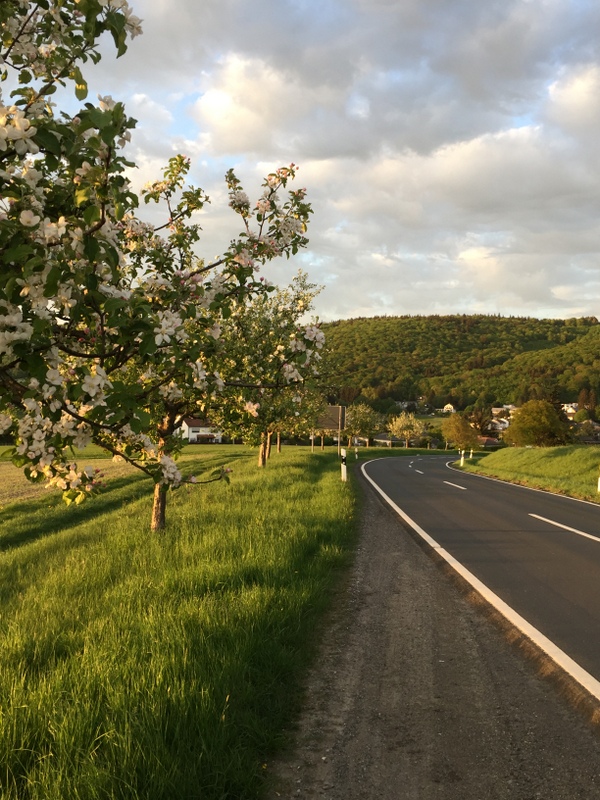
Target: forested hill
{"type": "Point", "coordinates": [465, 360]}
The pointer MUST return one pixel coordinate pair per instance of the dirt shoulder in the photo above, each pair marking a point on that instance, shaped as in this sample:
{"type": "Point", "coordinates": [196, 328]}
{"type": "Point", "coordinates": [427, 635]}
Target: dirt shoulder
{"type": "Point", "coordinates": [416, 694]}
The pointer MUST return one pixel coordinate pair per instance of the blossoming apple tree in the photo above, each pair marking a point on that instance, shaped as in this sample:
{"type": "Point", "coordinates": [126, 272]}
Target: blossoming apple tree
{"type": "Point", "coordinates": [273, 364]}
{"type": "Point", "coordinates": [109, 326]}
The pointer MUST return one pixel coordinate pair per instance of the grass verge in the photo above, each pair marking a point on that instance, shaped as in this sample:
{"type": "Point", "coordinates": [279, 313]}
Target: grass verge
{"type": "Point", "coordinates": [570, 470]}
{"type": "Point", "coordinates": [164, 666]}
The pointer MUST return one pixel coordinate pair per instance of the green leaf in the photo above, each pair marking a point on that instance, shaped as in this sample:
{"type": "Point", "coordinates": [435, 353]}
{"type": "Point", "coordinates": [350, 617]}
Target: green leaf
{"type": "Point", "coordinates": [91, 215]}
{"type": "Point", "coordinates": [99, 119]}
{"type": "Point", "coordinates": [112, 256]}
{"type": "Point", "coordinates": [148, 346]}
{"type": "Point", "coordinates": [82, 195]}
{"type": "Point", "coordinates": [81, 88]}
{"type": "Point", "coordinates": [114, 304]}
{"type": "Point", "coordinates": [91, 248]}
{"type": "Point", "coordinates": [52, 281]}
{"type": "Point", "coordinates": [140, 422]}
{"type": "Point", "coordinates": [37, 366]}
{"type": "Point", "coordinates": [47, 141]}
{"type": "Point", "coordinates": [17, 254]}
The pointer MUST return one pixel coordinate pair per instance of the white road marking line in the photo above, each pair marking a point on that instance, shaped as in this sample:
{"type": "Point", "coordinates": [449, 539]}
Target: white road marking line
{"type": "Point", "coordinates": [420, 471]}
{"type": "Point", "coordinates": [456, 486]}
{"type": "Point", "coordinates": [566, 527]}
{"type": "Point", "coordinates": [571, 667]}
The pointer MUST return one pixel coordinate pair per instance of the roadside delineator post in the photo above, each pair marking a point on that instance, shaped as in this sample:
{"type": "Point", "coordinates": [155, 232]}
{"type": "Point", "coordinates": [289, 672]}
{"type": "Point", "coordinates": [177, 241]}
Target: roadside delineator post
{"type": "Point", "coordinates": [343, 454]}
{"type": "Point", "coordinates": [462, 458]}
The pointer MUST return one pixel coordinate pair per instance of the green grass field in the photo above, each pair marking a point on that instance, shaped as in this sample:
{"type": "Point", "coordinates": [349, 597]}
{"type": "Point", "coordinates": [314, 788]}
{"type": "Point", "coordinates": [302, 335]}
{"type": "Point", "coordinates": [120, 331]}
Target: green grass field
{"type": "Point", "coordinates": [165, 666]}
{"type": "Point", "coordinates": [570, 470]}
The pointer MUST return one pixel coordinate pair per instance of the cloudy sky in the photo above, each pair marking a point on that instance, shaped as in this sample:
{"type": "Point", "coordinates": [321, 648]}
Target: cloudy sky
{"type": "Point", "coordinates": [450, 148]}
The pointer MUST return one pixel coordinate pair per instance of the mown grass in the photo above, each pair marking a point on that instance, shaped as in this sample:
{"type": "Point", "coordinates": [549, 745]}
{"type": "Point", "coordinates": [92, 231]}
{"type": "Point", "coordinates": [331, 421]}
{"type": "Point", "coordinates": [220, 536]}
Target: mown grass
{"type": "Point", "coordinates": [164, 666]}
{"type": "Point", "coordinates": [570, 470]}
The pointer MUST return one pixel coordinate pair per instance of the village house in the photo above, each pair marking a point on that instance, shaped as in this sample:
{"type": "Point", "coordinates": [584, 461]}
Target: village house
{"type": "Point", "coordinates": [199, 431]}
{"type": "Point", "coordinates": [570, 409]}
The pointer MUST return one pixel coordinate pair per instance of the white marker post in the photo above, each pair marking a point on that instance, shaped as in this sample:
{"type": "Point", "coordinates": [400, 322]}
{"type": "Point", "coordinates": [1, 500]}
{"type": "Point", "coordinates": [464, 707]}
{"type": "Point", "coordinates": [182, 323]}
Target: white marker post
{"type": "Point", "coordinates": [343, 454]}
{"type": "Point", "coordinates": [462, 458]}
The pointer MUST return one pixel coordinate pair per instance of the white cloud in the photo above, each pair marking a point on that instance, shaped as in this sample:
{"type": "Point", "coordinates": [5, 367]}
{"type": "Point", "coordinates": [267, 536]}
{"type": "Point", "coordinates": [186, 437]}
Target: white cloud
{"type": "Point", "coordinates": [449, 149]}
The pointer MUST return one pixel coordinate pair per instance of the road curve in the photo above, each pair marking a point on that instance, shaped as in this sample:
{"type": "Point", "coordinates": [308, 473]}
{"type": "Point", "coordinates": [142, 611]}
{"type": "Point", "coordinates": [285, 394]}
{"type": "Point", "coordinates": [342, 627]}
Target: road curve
{"type": "Point", "coordinates": [533, 555]}
{"type": "Point", "coordinates": [414, 695]}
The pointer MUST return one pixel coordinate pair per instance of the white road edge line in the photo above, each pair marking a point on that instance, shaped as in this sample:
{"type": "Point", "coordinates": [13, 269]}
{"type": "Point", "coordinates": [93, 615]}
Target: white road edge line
{"type": "Point", "coordinates": [456, 486]}
{"type": "Point", "coordinates": [566, 527]}
{"type": "Point", "coordinates": [516, 485]}
{"type": "Point", "coordinates": [420, 471]}
{"type": "Point", "coordinates": [571, 667]}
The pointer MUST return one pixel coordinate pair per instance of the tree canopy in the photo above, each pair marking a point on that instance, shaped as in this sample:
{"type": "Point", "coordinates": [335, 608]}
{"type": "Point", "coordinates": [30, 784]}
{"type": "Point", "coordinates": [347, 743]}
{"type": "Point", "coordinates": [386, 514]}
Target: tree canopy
{"type": "Point", "coordinates": [110, 327]}
{"type": "Point", "coordinates": [465, 360]}
{"type": "Point", "coordinates": [537, 423]}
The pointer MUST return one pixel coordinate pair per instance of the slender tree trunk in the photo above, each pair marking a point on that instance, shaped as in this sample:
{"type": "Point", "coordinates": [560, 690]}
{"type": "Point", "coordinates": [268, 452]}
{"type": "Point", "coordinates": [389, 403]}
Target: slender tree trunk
{"type": "Point", "coordinates": [279, 441]}
{"type": "Point", "coordinates": [159, 503]}
{"type": "Point", "coordinates": [322, 442]}
{"type": "Point", "coordinates": [269, 437]}
{"type": "Point", "coordinates": [262, 450]}
{"type": "Point", "coordinates": [159, 507]}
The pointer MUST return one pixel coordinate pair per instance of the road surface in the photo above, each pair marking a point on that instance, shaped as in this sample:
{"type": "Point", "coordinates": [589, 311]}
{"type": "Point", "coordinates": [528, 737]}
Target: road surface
{"type": "Point", "coordinates": [415, 694]}
{"type": "Point", "coordinates": [538, 552]}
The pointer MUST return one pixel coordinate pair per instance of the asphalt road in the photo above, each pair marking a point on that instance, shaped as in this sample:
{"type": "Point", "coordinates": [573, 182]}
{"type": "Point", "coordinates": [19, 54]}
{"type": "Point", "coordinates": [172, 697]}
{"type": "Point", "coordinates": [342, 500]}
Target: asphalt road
{"type": "Point", "coordinates": [538, 552]}
{"type": "Point", "coordinates": [415, 694]}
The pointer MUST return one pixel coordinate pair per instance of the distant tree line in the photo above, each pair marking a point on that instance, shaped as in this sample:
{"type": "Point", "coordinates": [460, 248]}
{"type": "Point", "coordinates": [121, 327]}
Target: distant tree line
{"type": "Point", "coordinates": [471, 361]}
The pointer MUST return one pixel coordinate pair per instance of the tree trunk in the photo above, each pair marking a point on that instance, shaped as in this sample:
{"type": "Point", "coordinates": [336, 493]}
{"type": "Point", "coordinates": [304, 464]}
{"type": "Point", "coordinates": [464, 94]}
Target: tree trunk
{"type": "Point", "coordinates": [159, 508]}
{"type": "Point", "coordinates": [159, 504]}
{"type": "Point", "coordinates": [322, 442]}
{"type": "Point", "coordinates": [279, 441]}
{"type": "Point", "coordinates": [262, 450]}
{"type": "Point", "coordinates": [269, 437]}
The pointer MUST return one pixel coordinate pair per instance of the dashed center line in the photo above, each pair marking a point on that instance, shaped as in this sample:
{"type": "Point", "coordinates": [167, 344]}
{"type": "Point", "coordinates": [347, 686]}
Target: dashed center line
{"type": "Point", "coordinates": [420, 471]}
{"type": "Point", "coordinates": [565, 527]}
{"type": "Point", "coordinates": [456, 486]}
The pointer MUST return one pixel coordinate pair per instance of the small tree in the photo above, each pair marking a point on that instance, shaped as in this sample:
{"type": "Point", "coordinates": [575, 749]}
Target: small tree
{"type": "Point", "coordinates": [480, 418]}
{"type": "Point", "coordinates": [405, 426]}
{"type": "Point", "coordinates": [537, 423]}
{"type": "Point", "coordinates": [362, 421]}
{"type": "Point", "coordinates": [457, 430]}
{"type": "Point", "coordinates": [271, 362]}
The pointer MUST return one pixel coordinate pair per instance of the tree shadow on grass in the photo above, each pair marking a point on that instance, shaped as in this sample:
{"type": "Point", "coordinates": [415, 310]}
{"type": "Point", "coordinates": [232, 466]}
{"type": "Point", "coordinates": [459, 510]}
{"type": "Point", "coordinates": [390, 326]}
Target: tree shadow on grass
{"type": "Point", "coordinates": [25, 522]}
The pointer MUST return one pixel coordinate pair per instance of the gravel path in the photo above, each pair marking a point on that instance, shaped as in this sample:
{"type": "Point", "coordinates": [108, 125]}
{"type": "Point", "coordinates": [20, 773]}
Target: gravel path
{"type": "Point", "coordinates": [417, 694]}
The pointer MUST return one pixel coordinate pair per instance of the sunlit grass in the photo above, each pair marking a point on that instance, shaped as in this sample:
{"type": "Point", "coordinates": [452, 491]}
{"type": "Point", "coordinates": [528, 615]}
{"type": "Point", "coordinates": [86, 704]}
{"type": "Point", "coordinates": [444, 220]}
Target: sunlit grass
{"type": "Point", "coordinates": [570, 470]}
{"type": "Point", "coordinates": [139, 665]}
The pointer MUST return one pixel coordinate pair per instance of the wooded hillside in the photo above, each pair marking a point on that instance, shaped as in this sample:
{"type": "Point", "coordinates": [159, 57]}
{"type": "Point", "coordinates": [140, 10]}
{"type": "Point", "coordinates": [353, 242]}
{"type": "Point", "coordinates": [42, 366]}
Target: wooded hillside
{"type": "Point", "coordinates": [464, 360]}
